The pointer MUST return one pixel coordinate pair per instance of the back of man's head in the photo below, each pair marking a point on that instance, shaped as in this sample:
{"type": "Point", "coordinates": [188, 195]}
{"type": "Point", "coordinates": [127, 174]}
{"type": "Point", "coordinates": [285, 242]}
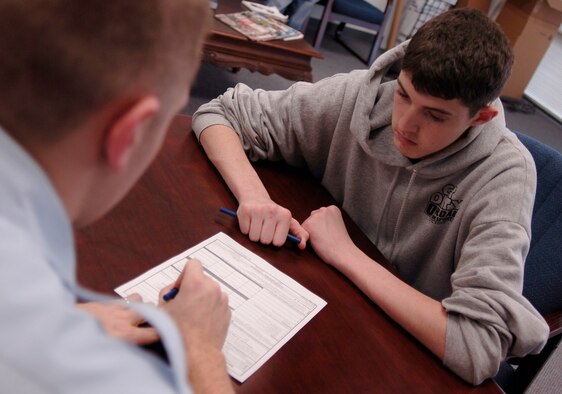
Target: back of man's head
{"type": "Point", "coordinates": [63, 60]}
{"type": "Point", "coordinates": [460, 54]}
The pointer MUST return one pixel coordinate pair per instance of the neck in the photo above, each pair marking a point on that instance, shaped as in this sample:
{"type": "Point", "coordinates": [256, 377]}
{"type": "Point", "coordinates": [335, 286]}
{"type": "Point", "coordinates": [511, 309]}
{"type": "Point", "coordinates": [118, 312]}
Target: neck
{"type": "Point", "coordinates": [68, 165]}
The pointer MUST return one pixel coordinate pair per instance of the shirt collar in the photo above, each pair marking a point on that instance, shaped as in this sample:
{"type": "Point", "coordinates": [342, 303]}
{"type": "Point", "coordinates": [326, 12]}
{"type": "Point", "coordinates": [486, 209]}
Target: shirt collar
{"type": "Point", "coordinates": [27, 187]}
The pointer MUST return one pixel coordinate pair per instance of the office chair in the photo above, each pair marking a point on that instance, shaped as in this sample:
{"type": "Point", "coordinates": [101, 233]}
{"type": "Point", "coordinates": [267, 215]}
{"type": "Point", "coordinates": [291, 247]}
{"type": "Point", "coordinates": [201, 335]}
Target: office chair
{"type": "Point", "coordinates": [356, 12]}
{"type": "Point", "coordinates": [542, 284]}
{"type": "Point", "coordinates": [549, 378]}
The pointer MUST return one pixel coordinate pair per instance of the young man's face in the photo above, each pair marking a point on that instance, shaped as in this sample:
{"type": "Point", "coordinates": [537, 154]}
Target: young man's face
{"type": "Point", "coordinates": [424, 124]}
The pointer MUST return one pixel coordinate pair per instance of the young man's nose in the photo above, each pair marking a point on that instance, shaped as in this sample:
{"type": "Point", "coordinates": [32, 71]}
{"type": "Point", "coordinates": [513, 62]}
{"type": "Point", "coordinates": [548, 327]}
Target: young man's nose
{"type": "Point", "coordinates": [408, 122]}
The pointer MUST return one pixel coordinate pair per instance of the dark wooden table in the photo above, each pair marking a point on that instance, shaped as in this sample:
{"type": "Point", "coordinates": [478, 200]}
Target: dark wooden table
{"type": "Point", "coordinates": [351, 346]}
{"type": "Point", "coordinates": [225, 47]}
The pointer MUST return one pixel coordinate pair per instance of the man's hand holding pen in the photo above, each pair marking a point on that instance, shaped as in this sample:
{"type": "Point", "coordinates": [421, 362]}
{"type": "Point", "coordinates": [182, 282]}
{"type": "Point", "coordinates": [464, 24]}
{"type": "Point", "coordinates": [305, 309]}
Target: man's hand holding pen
{"type": "Point", "coordinates": [199, 308]}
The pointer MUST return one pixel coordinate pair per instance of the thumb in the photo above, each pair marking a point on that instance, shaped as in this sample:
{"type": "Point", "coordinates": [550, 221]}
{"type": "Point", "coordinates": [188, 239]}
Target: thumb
{"type": "Point", "coordinates": [297, 230]}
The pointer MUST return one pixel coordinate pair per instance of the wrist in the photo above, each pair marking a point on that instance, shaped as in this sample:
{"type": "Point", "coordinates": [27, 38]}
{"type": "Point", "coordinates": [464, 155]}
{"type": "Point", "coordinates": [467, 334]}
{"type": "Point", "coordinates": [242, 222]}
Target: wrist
{"type": "Point", "coordinates": [201, 356]}
{"type": "Point", "coordinates": [349, 260]}
{"type": "Point", "coordinates": [207, 370]}
{"type": "Point", "coordinates": [254, 192]}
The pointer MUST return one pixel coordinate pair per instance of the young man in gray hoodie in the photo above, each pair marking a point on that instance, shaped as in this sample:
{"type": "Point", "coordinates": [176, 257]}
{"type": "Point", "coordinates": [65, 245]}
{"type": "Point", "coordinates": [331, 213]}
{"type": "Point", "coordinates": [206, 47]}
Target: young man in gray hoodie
{"type": "Point", "coordinates": [424, 165]}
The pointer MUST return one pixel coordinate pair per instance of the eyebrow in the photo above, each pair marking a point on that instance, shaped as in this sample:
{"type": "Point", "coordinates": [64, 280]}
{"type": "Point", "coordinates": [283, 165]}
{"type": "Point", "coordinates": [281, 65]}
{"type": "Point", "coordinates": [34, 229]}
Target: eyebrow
{"type": "Point", "coordinates": [441, 111]}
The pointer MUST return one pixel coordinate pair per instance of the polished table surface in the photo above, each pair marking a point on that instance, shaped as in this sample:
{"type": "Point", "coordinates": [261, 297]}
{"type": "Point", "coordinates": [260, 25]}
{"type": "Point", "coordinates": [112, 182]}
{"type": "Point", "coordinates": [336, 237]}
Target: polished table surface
{"type": "Point", "coordinates": [351, 346]}
{"type": "Point", "coordinates": [225, 47]}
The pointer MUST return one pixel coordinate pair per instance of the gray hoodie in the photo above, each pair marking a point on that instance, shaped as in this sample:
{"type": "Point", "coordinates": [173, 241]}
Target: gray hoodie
{"type": "Point", "coordinates": [456, 224]}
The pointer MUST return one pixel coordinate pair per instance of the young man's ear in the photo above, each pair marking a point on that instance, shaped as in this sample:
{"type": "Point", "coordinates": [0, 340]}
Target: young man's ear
{"type": "Point", "coordinates": [125, 129]}
{"type": "Point", "coordinates": [484, 115]}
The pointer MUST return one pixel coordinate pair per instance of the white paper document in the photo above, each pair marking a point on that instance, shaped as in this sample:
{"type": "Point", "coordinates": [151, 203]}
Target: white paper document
{"type": "Point", "coordinates": [268, 307]}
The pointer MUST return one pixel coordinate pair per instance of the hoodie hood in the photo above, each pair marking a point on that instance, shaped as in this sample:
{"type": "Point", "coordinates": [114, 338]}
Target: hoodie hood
{"type": "Point", "coordinates": [373, 131]}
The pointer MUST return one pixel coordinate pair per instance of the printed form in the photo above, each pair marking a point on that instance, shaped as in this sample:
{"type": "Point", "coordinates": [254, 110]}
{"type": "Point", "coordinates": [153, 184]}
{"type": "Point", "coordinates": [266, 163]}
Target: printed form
{"type": "Point", "coordinates": [268, 307]}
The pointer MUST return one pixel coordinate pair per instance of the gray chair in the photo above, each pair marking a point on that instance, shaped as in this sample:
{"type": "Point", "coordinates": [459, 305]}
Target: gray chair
{"type": "Point", "coordinates": [355, 12]}
{"type": "Point", "coordinates": [549, 378]}
{"type": "Point", "coordinates": [542, 284]}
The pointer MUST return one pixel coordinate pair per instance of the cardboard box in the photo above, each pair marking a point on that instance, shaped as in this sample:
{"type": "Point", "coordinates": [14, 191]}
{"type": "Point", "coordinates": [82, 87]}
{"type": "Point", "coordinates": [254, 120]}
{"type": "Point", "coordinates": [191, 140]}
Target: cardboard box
{"type": "Point", "coordinates": [482, 5]}
{"type": "Point", "coordinates": [530, 26]}
{"type": "Point", "coordinates": [556, 4]}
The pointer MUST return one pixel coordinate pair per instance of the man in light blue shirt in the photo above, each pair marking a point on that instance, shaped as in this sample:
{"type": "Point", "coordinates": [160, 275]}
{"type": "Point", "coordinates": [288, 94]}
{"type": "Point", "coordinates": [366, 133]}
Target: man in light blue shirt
{"type": "Point", "coordinates": [88, 91]}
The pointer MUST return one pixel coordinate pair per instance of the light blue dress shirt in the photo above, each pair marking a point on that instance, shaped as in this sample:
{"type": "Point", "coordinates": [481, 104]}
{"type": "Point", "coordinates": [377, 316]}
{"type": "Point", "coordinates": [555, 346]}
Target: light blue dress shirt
{"type": "Point", "coordinates": [46, 343]}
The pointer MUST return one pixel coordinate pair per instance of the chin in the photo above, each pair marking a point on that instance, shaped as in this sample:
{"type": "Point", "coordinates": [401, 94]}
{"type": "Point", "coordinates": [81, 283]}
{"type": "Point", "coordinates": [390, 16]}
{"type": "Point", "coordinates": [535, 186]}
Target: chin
{"type": "Point", "coordinates": [400, 147]}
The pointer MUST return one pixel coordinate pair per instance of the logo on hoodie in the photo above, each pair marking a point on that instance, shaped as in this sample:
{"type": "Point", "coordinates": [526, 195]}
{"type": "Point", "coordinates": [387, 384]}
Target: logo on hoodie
{"type": "Point", "coordinates": [441, 207]}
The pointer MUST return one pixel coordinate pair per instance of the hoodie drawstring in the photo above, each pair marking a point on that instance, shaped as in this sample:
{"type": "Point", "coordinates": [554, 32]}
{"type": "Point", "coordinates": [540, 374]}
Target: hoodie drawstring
{"type": "Point", "coordinates": [386, 199]}
{"type": "Point", "coordinates": [401, 214]}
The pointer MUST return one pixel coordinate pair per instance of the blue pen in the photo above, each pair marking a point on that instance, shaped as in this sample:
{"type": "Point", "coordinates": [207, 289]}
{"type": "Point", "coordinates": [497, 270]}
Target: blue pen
{"type": "Point", "coordinates": [171, 294]}
{"type": "Point", "coordinates": [290, 237]}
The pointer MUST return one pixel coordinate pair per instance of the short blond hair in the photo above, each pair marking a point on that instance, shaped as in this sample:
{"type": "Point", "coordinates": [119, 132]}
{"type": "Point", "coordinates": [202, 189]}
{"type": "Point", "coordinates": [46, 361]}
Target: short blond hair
{"type": "Point", "coordinates": [62, 60]}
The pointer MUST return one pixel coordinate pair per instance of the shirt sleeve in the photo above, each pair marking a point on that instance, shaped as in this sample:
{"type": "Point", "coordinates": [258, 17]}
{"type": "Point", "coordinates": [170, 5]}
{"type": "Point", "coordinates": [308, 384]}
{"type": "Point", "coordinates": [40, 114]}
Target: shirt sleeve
{"type": "Point", "coordinates": [55, 346]}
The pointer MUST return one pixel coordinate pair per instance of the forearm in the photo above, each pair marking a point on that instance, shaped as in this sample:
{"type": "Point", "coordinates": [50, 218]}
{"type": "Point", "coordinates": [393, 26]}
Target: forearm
{"type": "Point", "coordinates": [207, 372]}
{"type": "Point", "coordinates": [223, 147]}
{"type": "Point", "coordinates": [422, 316]}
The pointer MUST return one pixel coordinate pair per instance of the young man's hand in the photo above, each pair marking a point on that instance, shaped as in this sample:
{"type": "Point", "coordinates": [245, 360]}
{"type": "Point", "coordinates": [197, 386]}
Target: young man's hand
{"type": "Point", "coordinates": [328, 235]}
{"type": "Point", "coordinates": [258, 216]}
{"type": "Point", "coordinates": [121, 322]}
{"type": "Point", "coordinates": [269, 223]}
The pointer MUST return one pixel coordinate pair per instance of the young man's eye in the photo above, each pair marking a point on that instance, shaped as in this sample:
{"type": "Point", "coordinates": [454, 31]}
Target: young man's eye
{"type": "Point", "coordinates": [401, 93]}
{"type": "Point", "coordinates": [435, 118]}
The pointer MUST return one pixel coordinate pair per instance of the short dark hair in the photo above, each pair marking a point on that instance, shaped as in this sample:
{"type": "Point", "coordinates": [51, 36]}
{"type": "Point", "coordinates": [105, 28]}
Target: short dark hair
{"type": "Point", "coordinates": [62, 60]}
{"type": "Point", "coordinates": [460, 54]}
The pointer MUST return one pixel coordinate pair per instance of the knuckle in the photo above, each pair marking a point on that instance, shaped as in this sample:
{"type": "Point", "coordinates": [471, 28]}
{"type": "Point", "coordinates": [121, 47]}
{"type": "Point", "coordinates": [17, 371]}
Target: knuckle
{"type": "Point", "coordinates": [265, 240]}
{"type": "Point", "coordinates": [213, 290]}
{"type": "Point", "coordinates": [270, 211]}
{"type": "Point", "coordinates": [214, 286]}
{"type": "Point", "coordinates": [254, 237]}
{"type": "Point", "coordinates": [285, 214]}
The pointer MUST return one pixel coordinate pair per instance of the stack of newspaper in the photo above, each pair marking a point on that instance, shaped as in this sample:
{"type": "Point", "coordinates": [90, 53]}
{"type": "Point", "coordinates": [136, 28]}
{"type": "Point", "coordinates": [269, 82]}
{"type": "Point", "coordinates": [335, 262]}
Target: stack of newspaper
{"type": "Point", "coordinates": [268, 10]}
{"type": "Point", "coordinates": [258, 26]}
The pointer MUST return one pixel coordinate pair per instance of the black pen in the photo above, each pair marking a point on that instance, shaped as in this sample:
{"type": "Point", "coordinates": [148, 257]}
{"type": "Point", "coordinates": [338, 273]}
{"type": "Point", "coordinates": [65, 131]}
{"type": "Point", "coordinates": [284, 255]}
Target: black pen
{"type": "Point", "coordinates": [171, 294]}
{"type": "Point", "coordinates": [290, 237]}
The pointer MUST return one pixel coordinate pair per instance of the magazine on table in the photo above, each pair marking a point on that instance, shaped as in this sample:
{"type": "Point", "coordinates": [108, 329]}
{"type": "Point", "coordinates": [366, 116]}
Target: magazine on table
{"type": "Point", "coordinates": [259, 27]}
{"type": "Point", "coordinates": [271, 10]}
